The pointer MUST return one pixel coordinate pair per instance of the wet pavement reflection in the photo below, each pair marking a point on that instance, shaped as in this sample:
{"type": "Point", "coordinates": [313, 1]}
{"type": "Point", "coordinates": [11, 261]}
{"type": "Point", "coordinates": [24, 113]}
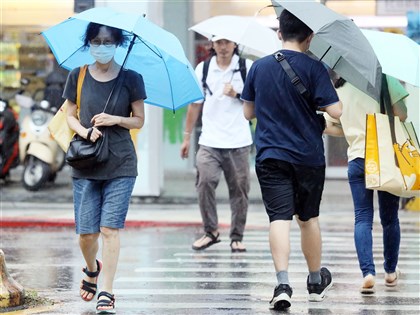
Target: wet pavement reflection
{"type": "Point", "coordinates": [160, 274]}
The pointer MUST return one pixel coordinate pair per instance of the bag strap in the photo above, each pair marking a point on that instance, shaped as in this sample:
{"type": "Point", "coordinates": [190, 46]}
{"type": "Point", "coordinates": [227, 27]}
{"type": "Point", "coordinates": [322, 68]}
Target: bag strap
{"type": "Point", "coordinates": [80, 79]}
{"type": "Point", "coordinates": [386, 107]}
{"type": "Point", "coordinates": [118, 82]}
{"type": "Point", "coordinates": [297, 83]}
{"type": "Point", "coordinates": [117, 86]}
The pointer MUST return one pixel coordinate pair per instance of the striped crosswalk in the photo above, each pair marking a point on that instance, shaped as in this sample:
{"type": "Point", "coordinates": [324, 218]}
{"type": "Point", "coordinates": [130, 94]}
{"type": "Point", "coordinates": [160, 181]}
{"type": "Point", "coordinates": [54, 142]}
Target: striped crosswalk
{"type": "Point", "coordinates": [215, 281]}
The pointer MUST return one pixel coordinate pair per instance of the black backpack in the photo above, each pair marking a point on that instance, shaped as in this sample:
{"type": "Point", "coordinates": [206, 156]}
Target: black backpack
{"type": "Point", "coordinates": [242, 69]}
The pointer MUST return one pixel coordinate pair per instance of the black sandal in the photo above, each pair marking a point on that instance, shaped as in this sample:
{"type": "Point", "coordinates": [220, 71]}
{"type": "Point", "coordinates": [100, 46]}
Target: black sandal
{"type": "Point", "coordinates": [109, 302]}
{"type": "Point", "coordinates": [236, 250]}
{"type": "Point", "coordinates": [214, 240]}
{"type": "Point", "coordinates": [89, 286]}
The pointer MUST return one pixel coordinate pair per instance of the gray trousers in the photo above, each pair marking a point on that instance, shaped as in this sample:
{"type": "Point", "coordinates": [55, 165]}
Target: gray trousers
{"type": "Point", "coordinates": [235, 165]}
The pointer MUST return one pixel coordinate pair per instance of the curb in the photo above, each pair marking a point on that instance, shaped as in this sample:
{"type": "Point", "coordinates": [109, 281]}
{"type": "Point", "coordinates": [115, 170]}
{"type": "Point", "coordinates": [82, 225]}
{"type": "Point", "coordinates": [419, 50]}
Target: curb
{"type": "Point", "coordinates": [34, 222]}
{"type": "Point", "coordinates": [69, 223]}
{"type": "Point", "coordinates": [50, 223]}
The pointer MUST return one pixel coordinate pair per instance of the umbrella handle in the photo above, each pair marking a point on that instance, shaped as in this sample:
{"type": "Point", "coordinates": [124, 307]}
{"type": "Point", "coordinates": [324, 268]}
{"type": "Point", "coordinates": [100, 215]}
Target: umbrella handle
{"type": "Point", "coordinates": [119, 73]}
{"type": "Point", "coordinates": [129, 50]}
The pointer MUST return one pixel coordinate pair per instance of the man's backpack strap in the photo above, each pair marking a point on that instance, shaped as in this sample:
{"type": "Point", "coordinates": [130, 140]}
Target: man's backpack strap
{"type": "Point", "coordinates": [242, 69]}
{"type": "Point", "coordinates": [205, 72]}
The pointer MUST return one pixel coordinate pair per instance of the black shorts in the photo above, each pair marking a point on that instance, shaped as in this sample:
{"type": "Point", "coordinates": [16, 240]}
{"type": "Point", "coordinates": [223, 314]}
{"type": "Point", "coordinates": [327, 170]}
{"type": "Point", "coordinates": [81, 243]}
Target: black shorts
{"type": "Point", "coordinates": [288, 189]}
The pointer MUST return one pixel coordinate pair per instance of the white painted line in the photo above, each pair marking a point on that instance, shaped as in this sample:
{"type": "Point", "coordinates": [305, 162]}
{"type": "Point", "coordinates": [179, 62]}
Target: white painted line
{"type": "Point", "coordinates": [343, 255]}
{"type": "Point", "coordinates": [301, 308]}
{"type": "Point", "coordinates": [257, 270]}
{"type": "Point", "coordinates": [240, 260]}
{"type": "Point", "coordinates": [267, 280]}
{"type": "Point", "coordinates": [254, 292]}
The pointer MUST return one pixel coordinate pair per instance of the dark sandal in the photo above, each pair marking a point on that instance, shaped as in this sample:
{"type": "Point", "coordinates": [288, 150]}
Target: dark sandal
{"type": "Point", "coordinates": [89, 286]}
{"type": "Point", "coordinates": [236, 250]}
{"type": "Point", "coordinates": [214, 240]}
{"type": "Point", "coordinates": [109, 302]}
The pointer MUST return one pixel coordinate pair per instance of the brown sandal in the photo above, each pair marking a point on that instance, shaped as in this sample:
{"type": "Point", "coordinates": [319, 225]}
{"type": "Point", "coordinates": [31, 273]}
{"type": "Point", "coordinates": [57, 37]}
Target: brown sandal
{"type": "Point", "coordinates": [213, 240]}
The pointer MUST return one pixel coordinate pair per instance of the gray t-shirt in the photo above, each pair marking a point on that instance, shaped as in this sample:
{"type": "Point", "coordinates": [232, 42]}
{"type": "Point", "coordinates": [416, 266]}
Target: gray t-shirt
{"type": "Point", "coordinates": [123, 159]}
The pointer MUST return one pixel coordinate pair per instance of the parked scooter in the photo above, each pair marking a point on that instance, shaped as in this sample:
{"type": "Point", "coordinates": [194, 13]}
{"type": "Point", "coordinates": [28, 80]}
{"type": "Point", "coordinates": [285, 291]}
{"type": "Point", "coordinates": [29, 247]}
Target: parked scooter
{"type": "Point", "coordinates": [9, 131]}
{"type": "Point", "coordinates": [9, 138]}
{"type": "Point", "coordinates": [41, 156]}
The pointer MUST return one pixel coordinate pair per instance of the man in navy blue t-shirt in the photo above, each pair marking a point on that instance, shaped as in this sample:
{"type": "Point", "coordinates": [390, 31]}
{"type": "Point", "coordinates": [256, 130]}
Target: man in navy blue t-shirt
{"type": "Point", "coordinates": [290, 162]}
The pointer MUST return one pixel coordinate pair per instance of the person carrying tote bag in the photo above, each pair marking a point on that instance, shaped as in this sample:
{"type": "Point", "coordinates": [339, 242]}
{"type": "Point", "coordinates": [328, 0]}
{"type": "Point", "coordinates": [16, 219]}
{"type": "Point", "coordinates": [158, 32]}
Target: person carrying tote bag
{"type": "Point", "coordinates": [352, 124]}
{"type": "Point", "coordinates": [392, 160]}
{"type": "Point", "coordinates": [101, 193]}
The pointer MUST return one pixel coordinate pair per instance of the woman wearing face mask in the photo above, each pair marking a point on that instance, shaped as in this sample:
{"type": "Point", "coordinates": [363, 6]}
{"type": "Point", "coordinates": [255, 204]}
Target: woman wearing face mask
{"type": "Point", "coordinates": [102, 194]}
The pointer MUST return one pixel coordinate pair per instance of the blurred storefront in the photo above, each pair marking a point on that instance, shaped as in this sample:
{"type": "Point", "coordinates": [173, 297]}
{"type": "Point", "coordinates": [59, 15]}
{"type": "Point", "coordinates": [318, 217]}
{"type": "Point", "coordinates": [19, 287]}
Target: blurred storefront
{"type": "Point", "coordinates": [24, 53]}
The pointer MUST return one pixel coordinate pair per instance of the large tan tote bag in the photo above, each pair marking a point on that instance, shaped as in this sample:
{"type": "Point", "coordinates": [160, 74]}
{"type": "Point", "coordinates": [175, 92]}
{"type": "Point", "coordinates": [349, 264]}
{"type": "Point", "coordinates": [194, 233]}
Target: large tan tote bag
{"type": "Point", "coordinates": [392, 159]}
{"type": "Point", "coordinates": [58, 127]}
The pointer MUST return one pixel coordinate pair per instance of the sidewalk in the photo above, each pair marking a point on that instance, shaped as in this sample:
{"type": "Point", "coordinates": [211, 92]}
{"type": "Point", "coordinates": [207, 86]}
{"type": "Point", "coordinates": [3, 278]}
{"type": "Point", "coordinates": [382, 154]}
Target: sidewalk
{"type": "Point", "coordinates": [177, 205]}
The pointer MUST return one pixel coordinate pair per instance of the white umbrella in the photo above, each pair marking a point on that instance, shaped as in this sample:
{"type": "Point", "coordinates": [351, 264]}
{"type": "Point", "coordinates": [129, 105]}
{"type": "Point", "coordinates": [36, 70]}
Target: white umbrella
{"type": "Point", "coordinates": [339, 43]}
{"type": "Point", "coordinates": [252, 37]}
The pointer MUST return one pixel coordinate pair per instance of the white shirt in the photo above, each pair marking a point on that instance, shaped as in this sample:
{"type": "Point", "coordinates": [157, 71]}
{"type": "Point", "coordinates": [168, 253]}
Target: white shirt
{"type": "Point", "coordinates": [223, 120]}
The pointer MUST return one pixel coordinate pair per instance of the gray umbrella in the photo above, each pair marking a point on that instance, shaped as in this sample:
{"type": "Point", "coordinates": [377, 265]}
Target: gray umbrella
{"type": "Point", "coordinates": [339, 43]}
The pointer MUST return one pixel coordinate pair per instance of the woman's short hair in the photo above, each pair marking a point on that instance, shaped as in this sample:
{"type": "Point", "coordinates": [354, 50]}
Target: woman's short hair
{"type": "Point", "coordinates": [293, 29]}
{"type": "Point", "coordinates": [92, 30]}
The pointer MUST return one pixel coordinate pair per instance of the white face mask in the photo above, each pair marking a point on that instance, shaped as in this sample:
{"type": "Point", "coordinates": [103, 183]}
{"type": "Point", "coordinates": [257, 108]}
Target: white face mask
{"type": "Point", "coordinates": [103, 54]}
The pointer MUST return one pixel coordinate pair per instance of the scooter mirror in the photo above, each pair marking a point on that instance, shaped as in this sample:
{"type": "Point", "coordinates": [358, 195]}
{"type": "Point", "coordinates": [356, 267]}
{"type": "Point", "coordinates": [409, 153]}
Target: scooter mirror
{"type": "Point", "coordinates": [44, 104]}
{"type": "Point", "coordinates": [3, 106]}
{"type": "Point", "coordinates": [25, 81]}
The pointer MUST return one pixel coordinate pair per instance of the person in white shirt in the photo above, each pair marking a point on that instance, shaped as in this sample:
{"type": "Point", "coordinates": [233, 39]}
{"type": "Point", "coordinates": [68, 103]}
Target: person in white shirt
{"type": "Point", "coordinates": [224, 143]}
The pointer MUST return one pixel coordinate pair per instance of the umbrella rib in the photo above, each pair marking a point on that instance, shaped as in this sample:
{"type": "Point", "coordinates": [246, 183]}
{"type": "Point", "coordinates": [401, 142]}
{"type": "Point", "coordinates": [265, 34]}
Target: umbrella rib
{"type": "Point", "coordinates": [326, 52]}
{"type": "Point", "coordinates": [166, 68]}
{"type": "Point", "coordinates": [336, 63]}
{"type": "Point", "coordinates": [145, 44]}
{"type": "Point", "coordinates": [61, 63]}
{"type": "Point", "coordinates": [170, 86]}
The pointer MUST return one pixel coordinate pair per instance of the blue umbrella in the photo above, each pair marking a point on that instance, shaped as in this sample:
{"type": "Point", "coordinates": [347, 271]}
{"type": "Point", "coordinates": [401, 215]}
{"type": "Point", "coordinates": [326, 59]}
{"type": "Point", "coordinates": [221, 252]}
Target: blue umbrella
{"type": "Point", "coordinates": [156, 54]}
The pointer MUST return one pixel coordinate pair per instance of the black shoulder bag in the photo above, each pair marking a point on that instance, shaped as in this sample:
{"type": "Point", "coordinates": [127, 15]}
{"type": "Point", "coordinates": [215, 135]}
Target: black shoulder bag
{"type": "Point", "coordinates": [83, 153]}
{"type": "Point", "coordinates": [297, 83]}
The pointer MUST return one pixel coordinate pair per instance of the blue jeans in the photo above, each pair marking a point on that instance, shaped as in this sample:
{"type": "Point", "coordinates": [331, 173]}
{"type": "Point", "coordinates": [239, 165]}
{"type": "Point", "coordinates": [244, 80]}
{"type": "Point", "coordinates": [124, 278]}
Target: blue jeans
{"type": "Point", "coordinates": [363, 212]}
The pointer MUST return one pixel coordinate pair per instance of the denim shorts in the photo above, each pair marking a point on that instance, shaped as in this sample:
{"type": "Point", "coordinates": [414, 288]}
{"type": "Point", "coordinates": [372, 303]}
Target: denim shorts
{"type": "Point", "coordinates": [289, 189]}
{"type": "Point", "coordinates": [101, 203]}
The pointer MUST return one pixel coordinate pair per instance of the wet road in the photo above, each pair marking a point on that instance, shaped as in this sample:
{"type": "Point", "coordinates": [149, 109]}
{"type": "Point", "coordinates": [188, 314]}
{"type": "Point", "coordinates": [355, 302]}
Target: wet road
{"type": "Point", "coordinates": [159, 274]}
